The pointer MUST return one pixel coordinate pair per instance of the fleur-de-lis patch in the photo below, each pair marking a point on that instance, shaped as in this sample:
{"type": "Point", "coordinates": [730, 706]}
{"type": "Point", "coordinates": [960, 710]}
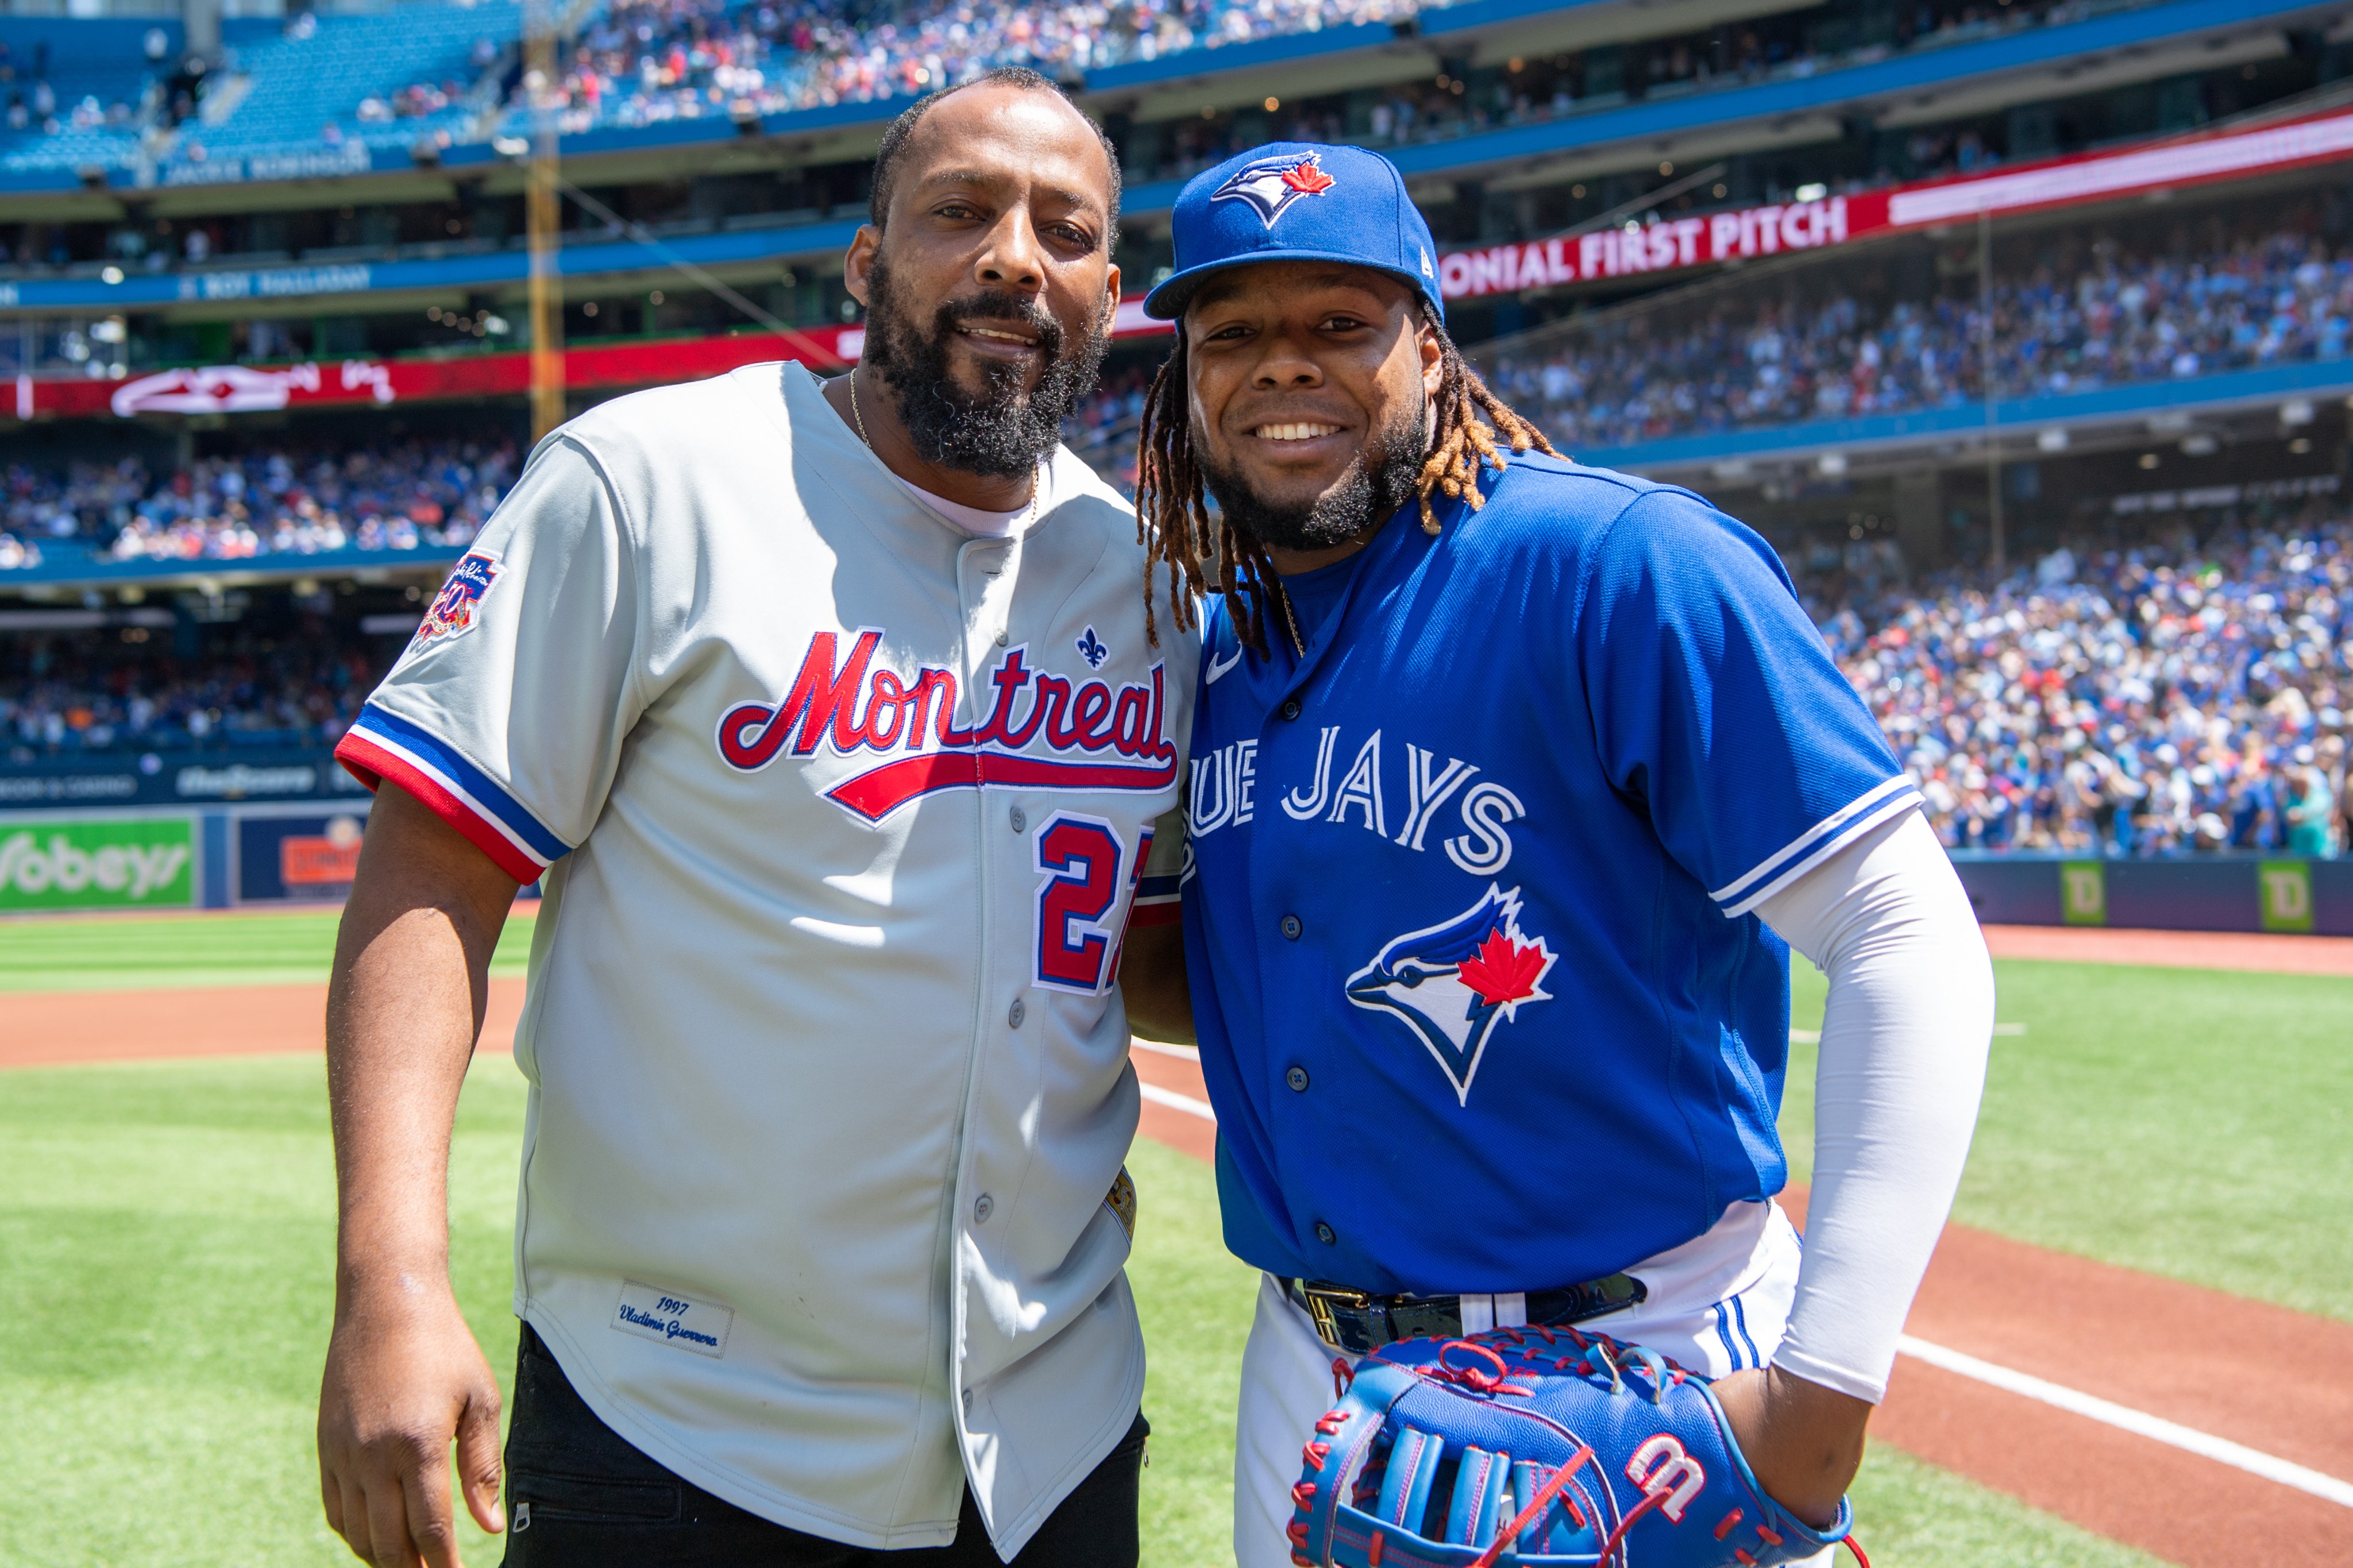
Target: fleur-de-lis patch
{"type": "Point", "coordinates": [1091, 648]}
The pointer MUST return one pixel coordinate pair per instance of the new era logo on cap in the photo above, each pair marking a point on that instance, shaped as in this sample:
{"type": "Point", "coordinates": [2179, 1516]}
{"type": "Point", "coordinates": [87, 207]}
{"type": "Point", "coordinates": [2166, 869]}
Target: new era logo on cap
{"type": "Point", "coordinates": [1272, 185]}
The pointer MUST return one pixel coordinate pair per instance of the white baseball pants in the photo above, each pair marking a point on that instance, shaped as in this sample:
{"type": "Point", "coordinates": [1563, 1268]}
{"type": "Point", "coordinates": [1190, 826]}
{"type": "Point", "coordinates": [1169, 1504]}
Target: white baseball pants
{"type": "Point", "coordinates": [1717, 1304]}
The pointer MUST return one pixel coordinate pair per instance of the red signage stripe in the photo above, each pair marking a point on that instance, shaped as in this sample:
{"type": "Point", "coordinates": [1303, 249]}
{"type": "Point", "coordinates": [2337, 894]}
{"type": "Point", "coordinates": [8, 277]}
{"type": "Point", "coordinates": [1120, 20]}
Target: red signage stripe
{"type": "Point", "coordinates": [242, 389]}
{"type": "Point", "coordinates": [2074, 180]}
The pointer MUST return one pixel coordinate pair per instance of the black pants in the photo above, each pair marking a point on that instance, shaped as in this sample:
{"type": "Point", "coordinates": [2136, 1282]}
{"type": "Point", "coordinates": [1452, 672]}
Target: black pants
{"type": "Point", "coordinates": [591, 1499]}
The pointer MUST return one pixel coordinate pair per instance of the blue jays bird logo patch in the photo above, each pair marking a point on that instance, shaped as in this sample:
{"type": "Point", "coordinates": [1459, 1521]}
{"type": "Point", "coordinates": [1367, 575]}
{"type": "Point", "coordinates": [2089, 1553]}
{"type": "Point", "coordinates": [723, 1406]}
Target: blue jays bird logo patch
{"type": "Point", "coordinates": [453, 607]}
{"type": "Point", "coordinates": [1452, 983]}
{"type": "Point", "coordinates": [1272, 185]}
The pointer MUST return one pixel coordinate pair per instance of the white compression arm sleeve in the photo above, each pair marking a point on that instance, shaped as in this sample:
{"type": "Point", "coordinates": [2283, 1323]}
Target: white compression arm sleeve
{"type": "Point", "coordinates": [1904, 1037]}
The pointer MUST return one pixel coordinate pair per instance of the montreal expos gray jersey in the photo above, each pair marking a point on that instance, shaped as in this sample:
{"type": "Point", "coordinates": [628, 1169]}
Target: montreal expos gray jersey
{"type": "Point", "coordinates": [843, 814]}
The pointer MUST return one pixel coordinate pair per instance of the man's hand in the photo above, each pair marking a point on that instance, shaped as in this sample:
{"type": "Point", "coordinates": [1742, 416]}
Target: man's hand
{"type": "Point", "coordinates": [403, 1374]}
{"type": "Point", "coordinates": [1803, 1441]}
{"type": "Point", "coordinates": [404, 1378]}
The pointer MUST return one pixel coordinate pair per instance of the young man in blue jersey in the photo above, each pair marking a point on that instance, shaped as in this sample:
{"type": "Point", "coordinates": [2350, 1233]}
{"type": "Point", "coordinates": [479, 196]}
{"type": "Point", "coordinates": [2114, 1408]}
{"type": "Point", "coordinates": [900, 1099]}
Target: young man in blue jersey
{"type": "Point", "coordinates": [1512, 783]}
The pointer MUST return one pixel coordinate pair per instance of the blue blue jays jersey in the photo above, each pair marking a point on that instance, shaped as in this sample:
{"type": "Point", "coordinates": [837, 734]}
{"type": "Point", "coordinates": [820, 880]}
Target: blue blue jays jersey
{"type": "Point", "coordinates": [1480, 1001]}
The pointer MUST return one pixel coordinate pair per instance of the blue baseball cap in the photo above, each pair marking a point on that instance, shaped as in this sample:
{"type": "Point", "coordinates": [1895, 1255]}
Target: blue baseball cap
{"type": "Point", "coordinates": [1298, 201]}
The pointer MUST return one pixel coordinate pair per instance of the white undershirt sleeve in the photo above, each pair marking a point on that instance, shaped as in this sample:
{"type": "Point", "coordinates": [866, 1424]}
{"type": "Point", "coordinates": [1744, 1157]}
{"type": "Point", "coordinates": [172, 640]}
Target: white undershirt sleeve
{"type": "Point", "coordinates": [1903, 1059]}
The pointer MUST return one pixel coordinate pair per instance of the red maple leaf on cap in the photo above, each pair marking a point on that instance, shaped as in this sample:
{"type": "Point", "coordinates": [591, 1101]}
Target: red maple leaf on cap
{"type": "Point", "coordinates": [1307, 179]}
{"type": "Point", "coordinates": [1504, 970]}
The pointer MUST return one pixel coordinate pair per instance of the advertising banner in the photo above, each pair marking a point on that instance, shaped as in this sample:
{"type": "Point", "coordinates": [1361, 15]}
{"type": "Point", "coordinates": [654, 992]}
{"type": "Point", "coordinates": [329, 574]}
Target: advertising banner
{"type": "Point", "coordinates": [2286, 890]}
{"type": "Point", "coordinates": [2083, 893]}
{"type": "Point", "coordinates": [1772, 229]}
{"type": "Point", "coordinates": [266, 389]}
{"type": "Point", "coordinates": [189, 778]}
{"type": "Point", "coordinates": [128, 863]}
{"type": "Point", "coordinates": [300, 857]}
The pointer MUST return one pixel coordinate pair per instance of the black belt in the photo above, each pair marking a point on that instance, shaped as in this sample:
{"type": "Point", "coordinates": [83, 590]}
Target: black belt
{"type": "Point", "coordinates": [1360, 1322]}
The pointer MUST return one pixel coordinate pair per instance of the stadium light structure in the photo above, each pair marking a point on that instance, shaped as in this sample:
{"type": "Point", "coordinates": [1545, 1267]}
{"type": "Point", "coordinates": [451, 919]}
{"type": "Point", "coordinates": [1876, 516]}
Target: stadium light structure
{"type": "Point", "coordinates": [543, 215]}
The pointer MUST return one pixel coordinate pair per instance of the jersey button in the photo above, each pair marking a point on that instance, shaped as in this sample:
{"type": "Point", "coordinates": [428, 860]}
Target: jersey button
{"type": "Point", "coordinates": [1020, 821]}
{"type": "Point", "coordinates": [1290, 708]}
{"type": "Point", "coordinates": [1326, 1235]}
{"type": "Point", "coordinates": [982, 1207]}
{"type": "Point", "coordinates": [1297, 1078]}
{"type": "Point", "coordinates": [1015, 1013]}
{"type": "Point", "coordinates": [1292, 928]}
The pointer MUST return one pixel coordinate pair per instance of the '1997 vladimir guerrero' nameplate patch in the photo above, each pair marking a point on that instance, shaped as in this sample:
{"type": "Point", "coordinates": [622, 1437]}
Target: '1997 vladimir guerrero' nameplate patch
{"type": "Point", "coordinates": [665, 1315]}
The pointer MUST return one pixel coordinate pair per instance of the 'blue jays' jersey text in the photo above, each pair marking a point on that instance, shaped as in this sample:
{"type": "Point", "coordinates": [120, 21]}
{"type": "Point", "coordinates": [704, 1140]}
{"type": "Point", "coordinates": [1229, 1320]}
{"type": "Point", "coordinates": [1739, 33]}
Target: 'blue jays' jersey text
{"type": "Point", "coordinates": [1481, 1002]}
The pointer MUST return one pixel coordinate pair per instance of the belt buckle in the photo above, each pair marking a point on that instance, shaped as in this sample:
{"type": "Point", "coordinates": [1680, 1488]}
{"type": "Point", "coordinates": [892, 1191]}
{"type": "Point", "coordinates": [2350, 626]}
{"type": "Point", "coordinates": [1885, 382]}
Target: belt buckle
{"type": "Point", "coordinates": [1321, 1300]}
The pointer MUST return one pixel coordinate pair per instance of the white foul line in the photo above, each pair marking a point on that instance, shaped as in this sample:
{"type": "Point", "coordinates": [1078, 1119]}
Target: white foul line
{"type": "Point", "coordinates": [1182, 1053]}
{"type": "Point", "coordinates": [2155, 1427]}
{"type": "Point", "coordinates": [1176, 1101]}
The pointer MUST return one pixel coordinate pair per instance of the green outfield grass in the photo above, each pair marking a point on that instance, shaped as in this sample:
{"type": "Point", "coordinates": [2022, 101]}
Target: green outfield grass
{"type": "Point", "coordinates": [2187, 1122]}
{"type": "Point", "coordinates": [148, 952]}
{"type": "Point", "coordinates": [167, 1233]}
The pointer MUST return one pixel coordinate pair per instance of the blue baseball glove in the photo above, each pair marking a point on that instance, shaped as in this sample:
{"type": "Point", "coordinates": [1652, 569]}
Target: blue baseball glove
{"type": "Point", "coordinates": [1535, 1447]}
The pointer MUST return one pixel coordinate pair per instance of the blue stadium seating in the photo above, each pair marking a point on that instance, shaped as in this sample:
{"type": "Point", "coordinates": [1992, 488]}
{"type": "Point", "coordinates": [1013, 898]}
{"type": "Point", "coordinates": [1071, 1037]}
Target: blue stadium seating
{"type": "Point", "coordinates": [104, 59]}
{"type": "Point", "coordinates": [297, 85]}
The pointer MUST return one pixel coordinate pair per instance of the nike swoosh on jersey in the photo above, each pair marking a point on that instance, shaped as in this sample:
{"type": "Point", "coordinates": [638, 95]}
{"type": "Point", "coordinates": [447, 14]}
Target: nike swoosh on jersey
{"type": "Point", "coordinates": [1217, 668]}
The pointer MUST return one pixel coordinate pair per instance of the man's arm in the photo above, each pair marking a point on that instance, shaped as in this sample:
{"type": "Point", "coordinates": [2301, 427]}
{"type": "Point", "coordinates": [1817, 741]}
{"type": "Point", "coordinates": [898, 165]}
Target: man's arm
{"type": "Point", "coordinates": [403, 1375]}
{"type": "Point", "coordinates": [1901, 1065]}
{"type": "Point", "coordinates": [1152, 982]}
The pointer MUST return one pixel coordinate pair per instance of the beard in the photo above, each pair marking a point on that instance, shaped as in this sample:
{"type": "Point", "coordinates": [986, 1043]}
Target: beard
{"type": "Point", "coordinates": [1380, 479]}
{"type": "Point", "coordinates": [1006, 429]}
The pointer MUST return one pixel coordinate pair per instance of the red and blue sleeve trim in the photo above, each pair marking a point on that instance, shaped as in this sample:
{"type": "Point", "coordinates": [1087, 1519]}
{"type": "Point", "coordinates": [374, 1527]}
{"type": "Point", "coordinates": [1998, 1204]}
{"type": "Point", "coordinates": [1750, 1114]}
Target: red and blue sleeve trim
{"type": "Point", "coordinates": [381, 745]}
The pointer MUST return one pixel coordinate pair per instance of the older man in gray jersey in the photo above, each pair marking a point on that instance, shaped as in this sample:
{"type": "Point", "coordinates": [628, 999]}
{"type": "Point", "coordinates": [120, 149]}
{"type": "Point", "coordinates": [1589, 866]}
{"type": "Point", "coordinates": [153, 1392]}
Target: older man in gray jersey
{"type": "Point", "coordinates": [829, 714]}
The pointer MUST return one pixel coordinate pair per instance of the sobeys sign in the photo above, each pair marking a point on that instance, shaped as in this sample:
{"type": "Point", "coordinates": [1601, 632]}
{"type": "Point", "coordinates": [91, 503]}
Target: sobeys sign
{"type": "Point", "coordinates": [135, 863]}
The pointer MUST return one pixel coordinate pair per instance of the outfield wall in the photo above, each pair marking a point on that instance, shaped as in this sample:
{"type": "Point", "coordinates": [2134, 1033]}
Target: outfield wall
{"type": "Point", "coordinates": [2199, 893]}
{"type": "Point", "coordinates": [75, 857]}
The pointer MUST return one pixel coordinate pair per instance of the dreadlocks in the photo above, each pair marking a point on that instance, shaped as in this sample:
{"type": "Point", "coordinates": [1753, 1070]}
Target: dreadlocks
{"type": "Point", "coordinates": [1172, 514]}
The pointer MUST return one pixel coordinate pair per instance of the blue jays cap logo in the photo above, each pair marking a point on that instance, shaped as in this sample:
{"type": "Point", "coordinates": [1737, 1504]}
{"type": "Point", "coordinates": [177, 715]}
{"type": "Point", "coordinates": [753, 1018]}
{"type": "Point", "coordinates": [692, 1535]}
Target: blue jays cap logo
{"type": "Point", "coordinates": [1452, 983]}
{"type": "Point", "coordinates": [453, 607]}
{"type": "Point", "coordinates": [1272, 185]}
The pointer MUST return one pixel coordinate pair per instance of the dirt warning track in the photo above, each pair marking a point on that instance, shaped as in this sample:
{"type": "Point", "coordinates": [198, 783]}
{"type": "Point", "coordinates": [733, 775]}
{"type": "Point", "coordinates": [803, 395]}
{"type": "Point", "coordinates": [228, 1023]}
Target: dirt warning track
{"type": "Point", "coordinates": [2263, 1378]}
{"type": "Point", "coordinates": [59, 1028]}
{"type": "Point", "coordinates": [2251, 951]}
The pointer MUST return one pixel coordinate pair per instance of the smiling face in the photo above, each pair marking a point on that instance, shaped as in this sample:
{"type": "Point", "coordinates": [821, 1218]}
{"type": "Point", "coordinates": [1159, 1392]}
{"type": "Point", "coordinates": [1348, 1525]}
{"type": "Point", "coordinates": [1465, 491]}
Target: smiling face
{"type": "Point", "coordinates": [1310, 387]}
{"type": "Point", "coordinates": [990, 288]}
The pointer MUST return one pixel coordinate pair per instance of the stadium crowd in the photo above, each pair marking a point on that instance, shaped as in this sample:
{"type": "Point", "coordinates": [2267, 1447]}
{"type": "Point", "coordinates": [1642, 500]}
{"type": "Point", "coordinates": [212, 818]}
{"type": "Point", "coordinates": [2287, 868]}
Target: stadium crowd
{"type": "Point", "coordinates": [642, 61]}
{"type": "Point", "coordinates": [68, 693]}
{"type": "Point", "coordinates": [2091, 312]}
{"type": "Point", "coordinates": [268, 500]}
{"type": "Point", "coordinates": [2181, 696]}
{"type": "Point", "coordinates": [2186, 695]}
{"type": "Point", "coordinates": [1534, 90]}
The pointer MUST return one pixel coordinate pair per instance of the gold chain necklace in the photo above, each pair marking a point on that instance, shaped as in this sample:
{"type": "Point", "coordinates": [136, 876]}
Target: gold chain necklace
{"type": "Point", "coordinates": [1036, 481]}
{"type": "Point", "coordinates": [1290, 621]}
